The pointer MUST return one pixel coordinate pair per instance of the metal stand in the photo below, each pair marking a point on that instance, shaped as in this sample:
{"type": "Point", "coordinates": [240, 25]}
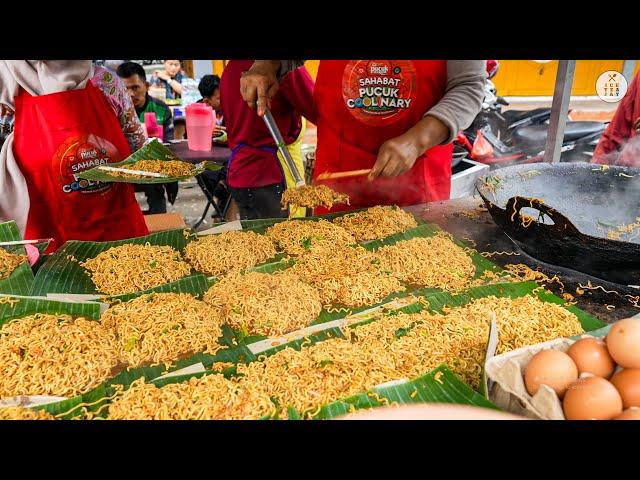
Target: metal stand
{"type": "Point", "coordinates": [559, 110]}
{"type": "Point", "coordinates": [210, 203]}
{"type": "Point", "coordinates": [628, 68]}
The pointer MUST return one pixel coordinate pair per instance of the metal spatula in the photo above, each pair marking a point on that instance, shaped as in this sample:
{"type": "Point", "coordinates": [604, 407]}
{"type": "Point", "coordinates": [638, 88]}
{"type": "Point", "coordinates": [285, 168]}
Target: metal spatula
{"type": "Point", "coordinates": [277, 136]}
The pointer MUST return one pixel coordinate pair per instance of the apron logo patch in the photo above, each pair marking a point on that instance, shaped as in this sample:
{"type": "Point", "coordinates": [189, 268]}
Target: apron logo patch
{"type": "Point", "coordinates": [376, 91]}
{"type": "Point", "coordinates": [78, 154]}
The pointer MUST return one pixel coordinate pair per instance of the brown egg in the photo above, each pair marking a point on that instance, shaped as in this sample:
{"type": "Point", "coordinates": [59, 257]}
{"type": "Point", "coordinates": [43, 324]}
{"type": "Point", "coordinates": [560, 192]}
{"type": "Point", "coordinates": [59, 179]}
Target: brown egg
{"type": "Point", "coordinates": [627, 382]}
{"type": "Point", "coordinates": [591, 398]}
{"type": "Point", "coordinates": [591, 356]}
{"type": "Point", "coordinates": [632, 413]}
{"type": "Point", "coordinates": [552, 368]}
{"type": "Point", "coordinates": [623, 342]}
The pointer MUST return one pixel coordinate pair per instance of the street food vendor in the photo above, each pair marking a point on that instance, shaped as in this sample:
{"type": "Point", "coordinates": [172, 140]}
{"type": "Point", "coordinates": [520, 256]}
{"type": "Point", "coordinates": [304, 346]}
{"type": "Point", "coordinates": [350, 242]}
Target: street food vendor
{"type": "Point", "coordinates": [256, 177]}
{"type": "Point", "coordinates": [60, 118]}
{"type": "Point", "coordinates": [135, 80]}
{"type": "Point", "coordinates": [395, 117]}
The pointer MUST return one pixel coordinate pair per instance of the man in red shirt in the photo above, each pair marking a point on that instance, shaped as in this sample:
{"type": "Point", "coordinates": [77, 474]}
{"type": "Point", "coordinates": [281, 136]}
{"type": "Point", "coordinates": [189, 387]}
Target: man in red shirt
{"type": "Point", "coordinates": [255, 176]}
{"type": "Point", "coordinates": [620, 144]}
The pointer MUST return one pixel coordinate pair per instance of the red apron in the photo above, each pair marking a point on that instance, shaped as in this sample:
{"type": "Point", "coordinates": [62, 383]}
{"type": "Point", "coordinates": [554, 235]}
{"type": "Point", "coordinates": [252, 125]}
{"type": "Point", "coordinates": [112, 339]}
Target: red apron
{"type": "Point", "coordinates": [57, 136]}
{"type": "Point", "coordinates": [362, 104]}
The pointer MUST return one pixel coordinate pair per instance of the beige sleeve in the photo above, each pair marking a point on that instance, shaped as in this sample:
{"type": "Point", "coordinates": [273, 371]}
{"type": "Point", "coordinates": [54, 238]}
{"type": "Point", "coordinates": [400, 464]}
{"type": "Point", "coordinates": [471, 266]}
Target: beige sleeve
{"type": "Point", "coordinates": [463, 96]}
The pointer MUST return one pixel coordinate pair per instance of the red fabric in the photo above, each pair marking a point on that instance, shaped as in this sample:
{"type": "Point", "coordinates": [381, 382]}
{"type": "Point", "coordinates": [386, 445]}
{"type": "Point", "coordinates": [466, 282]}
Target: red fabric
{"type": "Point", "coordinates": [621, 130]}
{"type": "Point", "coordinates": [252, 166]}
{"type": "Point", "coordinates": [349, 138]}
{"type": "Point", "coordinates": [64, 133]}
{"type": "Point", "coordinates": [492, 67]}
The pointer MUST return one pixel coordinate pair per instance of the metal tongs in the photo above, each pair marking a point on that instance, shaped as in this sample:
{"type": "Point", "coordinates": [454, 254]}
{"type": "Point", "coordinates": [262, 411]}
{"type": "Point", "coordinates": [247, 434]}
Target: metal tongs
{"type": "Point", "coordinates": [277, 136]}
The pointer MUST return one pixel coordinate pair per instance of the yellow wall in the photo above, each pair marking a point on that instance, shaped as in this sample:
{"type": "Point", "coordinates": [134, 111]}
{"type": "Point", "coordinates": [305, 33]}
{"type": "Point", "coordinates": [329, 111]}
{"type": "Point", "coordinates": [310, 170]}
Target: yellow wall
{"type": "Point", "coordinates": [312, 67]}
{"type": "Point", "coordinates": [522, 77]}
{"type": "Point", "coordinates": [526, 77]}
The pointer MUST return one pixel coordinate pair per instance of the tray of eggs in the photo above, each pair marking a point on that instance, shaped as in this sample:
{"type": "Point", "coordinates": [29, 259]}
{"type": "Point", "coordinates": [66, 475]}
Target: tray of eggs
{"type": "Point", "coordinates": [588, 378]}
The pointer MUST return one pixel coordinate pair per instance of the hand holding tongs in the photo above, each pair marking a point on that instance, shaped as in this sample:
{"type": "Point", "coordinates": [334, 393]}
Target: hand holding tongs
{"type": "Point", "coordinates": [277, 136]}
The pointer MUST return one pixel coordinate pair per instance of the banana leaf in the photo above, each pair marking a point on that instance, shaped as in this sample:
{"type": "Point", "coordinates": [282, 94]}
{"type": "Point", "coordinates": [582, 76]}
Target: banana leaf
{"type": "Point", "coordinates": [280, 262]}
{"type": "Point", "coordinates": [424, 230]}
{"type": "Point", "coordinates": [438, 386]}
{"type": "Point", "coordinates": [98, 396]}
{"type": "Point", "coordinates": [21, 279]}
{"type": "Point", "coordinates": [448, 388]}
{"type": "Point", "coordinates": [511, 290]}
{"type": "Point", "coordinates": [30, 305]}
{"type": "Point", "coordinates": [261, 225]}
{"type": "Point", "coordinates": [154, 150]}
{"type": "Point", "coordinates": [196, 285]}
{"type": "Point", "coordinates": [452, 390]}
{"type": "Point", "coordinates": [60, 274]}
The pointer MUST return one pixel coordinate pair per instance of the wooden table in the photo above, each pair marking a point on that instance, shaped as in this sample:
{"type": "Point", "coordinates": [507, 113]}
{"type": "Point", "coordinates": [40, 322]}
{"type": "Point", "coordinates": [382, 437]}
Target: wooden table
{"type": "Point", "coordinates": [219, 155]}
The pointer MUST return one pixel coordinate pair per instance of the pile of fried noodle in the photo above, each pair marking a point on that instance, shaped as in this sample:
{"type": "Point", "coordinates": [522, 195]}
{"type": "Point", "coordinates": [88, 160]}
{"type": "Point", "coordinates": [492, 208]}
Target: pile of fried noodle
{"type": "Point", "coordinates": [211, 397]}
{"type": "Point", "coordinates": [170, 168]}
{"type": "Point", "coordinates": [132, 268]}
{"type": "Point", "coordinates": [434, 262]}
{"type": "Point", "coordinates": [46, 354]}
{"type": "Point", "coordinates": [404, 346]}
{"type": "Point", "coordinates": [163, 328]}
{"type": "Point", "coordinates": [229, 252]}
{"type": "Point", "coordinates": [264, 304]}
{"type": "Point", "coordinates": [295, 237]}
{"type": "Point", "coordinates": [9, 262]}
{"type": "Point", "coordinates": [312, 196]}
{"type": "Point", "coordinates": [346, 275]}
{"type": "Point", "coordinates": [22, 413]}
{"type": "Point", "coordinates": [376, 222]}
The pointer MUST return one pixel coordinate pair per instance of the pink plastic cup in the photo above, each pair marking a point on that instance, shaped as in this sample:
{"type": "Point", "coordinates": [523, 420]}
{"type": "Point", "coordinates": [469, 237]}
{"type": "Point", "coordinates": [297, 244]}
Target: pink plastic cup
{"type": "Point", "coordinates": [153, 129]}
{"type": "Point", "coordinates": [199, 126]}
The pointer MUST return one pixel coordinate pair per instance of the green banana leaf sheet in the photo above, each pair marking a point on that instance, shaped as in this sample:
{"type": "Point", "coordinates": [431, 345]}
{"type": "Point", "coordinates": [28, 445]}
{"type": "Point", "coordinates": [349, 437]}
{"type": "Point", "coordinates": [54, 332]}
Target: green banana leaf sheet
{"type": "Point", "coordinates": [154, 150]}
{"type": "Point", "coordinates": [19, 282]}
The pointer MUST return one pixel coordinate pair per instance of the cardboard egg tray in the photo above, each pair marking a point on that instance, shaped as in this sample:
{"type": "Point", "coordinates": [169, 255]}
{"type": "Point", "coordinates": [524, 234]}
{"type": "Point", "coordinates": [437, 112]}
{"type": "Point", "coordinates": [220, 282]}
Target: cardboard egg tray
{"type": "Point", "coordinates": [506, 388]}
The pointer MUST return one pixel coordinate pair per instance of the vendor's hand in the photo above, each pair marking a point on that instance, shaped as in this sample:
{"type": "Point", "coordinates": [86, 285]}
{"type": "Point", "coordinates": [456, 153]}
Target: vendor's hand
{"type": "Point", "coordinates": [258, 85]}
{"type": "Point", "coordinates": [219, 130]}
{"type": "Point", "coordinates": [399, 154]}
{"type": "Point", "coordinates": [163, 75]}
{"type": "Point", "coordinates": [395, 157]}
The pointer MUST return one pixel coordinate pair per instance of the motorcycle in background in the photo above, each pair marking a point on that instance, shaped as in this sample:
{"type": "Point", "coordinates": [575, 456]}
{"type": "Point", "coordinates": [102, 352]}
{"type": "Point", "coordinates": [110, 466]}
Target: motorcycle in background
{"type": "Point", "coordinates": [501, 138]}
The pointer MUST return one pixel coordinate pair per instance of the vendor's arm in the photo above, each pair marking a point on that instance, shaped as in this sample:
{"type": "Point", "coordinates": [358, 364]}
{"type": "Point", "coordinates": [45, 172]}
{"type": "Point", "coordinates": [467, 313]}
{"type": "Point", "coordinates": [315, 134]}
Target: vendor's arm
{"type": "Point", "coordinates": [259, 84]}
{"type": "Point", "coordinates": [175, 85]}
{"type": "Point", "coordinates": [116, 93]}
{"type": "Point", "coordinates": [7, 118]}
{"type": "Point", "coordinates": [454, 112]}
{"type": "Point", "coordinates": [298, 88]}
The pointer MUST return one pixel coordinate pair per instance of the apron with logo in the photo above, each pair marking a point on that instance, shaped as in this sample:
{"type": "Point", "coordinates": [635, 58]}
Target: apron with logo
{"type": "Point", "coordinates": [361, 105]}
{"type": "Point", "coordinates": [57, 136]}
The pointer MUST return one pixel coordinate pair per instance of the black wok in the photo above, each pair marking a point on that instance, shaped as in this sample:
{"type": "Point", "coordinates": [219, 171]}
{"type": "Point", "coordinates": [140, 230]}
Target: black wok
{"type": "Point", "coordinates": [578, 207]}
